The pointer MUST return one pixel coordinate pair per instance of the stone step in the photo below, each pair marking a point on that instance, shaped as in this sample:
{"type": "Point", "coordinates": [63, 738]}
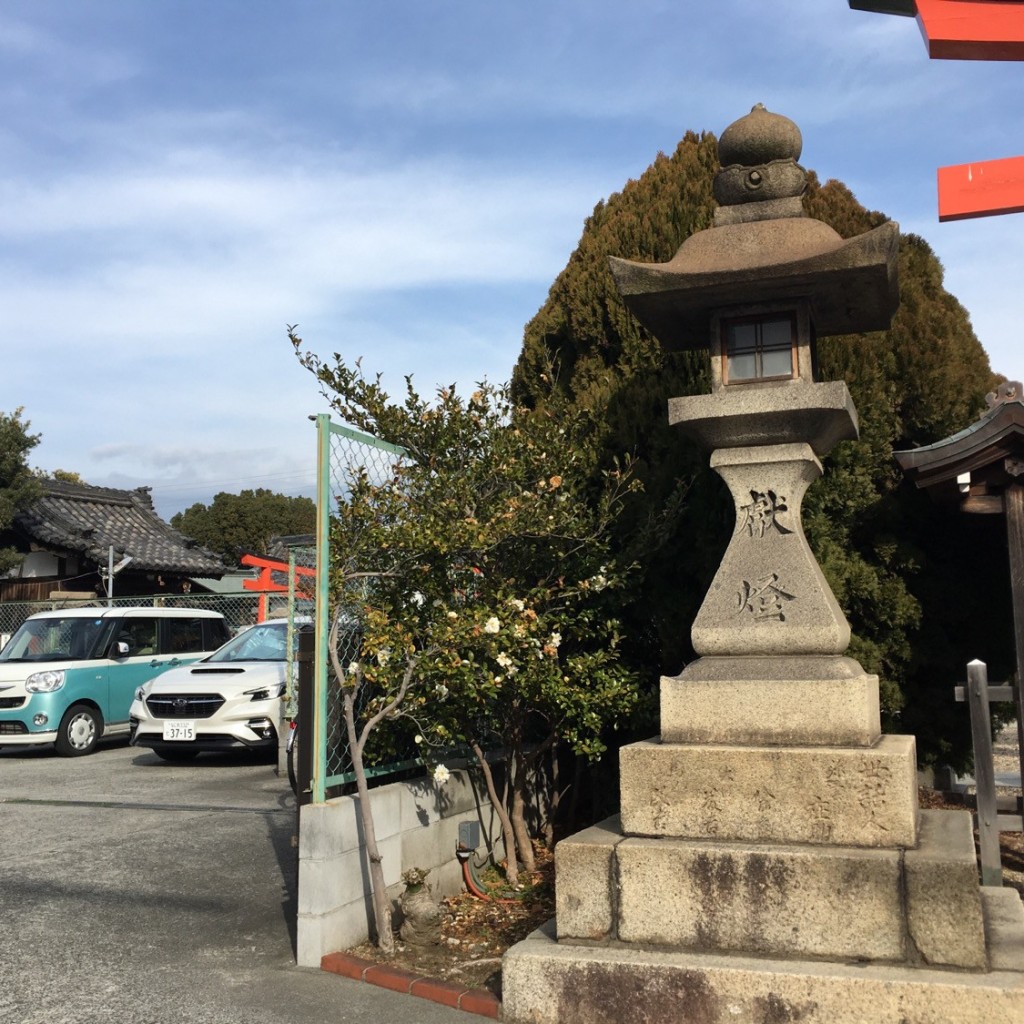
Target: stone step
{"type": "Point", "coordinates": [550, 982]}
{"type": "Point", "coordinates": [821, 902]}
{"type": "Point", "coordinates": [846, 796]}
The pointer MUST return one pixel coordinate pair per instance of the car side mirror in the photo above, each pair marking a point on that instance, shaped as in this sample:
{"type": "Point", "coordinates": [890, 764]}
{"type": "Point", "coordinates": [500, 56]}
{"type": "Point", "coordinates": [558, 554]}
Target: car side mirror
{"type": "Point", "coordinates": [119, 649]}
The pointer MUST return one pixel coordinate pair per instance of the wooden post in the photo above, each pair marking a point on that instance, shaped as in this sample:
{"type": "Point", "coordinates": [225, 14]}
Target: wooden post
{"type": "Point", "coordinates": [1013, 503]}
{"type": "Point", "coordinates": [984, 774]}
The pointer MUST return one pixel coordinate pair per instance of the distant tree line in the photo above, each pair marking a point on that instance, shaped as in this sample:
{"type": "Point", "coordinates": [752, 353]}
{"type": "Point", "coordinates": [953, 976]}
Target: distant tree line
{"type": "Point", "coordinates": [234, 524]}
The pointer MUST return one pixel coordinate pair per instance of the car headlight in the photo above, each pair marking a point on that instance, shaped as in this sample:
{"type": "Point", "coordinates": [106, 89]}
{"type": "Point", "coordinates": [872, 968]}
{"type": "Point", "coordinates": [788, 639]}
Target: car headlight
{"type": "Point", "coordinates": [265, 692]}
{"type": "Point", "coordinates": [45, 682]}
{"type": "Point", "coordinates": [140, 693]}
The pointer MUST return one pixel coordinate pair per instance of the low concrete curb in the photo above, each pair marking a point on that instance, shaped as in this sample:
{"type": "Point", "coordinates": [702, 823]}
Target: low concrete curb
{"type": "Point", "coordinates": [472, 1000]}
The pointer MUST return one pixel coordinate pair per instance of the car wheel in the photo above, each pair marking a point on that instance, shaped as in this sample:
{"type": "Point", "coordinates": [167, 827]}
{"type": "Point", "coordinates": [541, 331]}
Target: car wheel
{"type": "Point", "coordinates": [175, 753]}
{"type": "Point", "coordinates": [79, 731]}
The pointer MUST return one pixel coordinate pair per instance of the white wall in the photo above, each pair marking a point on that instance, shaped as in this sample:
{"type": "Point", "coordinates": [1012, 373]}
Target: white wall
{"type": "Point", "coordinates": [417, 825]}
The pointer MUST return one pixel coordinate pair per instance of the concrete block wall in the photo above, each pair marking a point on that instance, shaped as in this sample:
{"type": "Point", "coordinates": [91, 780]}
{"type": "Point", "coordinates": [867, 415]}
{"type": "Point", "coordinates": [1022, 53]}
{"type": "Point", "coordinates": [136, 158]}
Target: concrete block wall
{"type": "Point", "coordinates": [417, 825]}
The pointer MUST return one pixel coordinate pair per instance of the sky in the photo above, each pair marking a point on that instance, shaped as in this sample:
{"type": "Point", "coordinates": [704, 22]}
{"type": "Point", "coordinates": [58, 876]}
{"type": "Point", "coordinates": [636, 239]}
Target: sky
{"type": "Point", "coordinates": [403, 179]}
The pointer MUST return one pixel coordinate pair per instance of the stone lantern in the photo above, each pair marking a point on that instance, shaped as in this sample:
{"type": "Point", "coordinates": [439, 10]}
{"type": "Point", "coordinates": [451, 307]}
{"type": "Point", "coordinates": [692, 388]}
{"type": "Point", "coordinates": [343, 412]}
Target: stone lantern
{"type": "Point", "coordinates": [756, 291]}
{"type": "Point", "coordinates": [770, 862]}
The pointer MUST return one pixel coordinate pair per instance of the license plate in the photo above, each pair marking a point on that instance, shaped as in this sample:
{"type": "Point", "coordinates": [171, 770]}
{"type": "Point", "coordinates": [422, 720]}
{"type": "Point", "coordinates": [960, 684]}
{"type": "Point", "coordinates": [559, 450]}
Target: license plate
{"type": "Point", "coordinates": [179, 731]}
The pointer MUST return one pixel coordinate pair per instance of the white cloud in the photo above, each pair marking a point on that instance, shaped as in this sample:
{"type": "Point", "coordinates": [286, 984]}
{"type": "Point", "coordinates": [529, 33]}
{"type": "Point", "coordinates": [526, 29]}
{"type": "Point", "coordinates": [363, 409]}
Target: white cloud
{"type": "Point", "coordinates": [181, 260]}
{"type": "Point", "coordinates": [44, 56]}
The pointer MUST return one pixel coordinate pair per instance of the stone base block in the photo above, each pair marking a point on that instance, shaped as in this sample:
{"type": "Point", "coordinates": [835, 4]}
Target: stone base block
{"type": "Point", "coordinates": [586, 889]}
{"type": "Point", "coordinates": [843, 796]}
{"type": "Point", "coordinates": [832, 903]}
{"type": "Point", "coordinates": [827, 902]}
{"type": "Point", "coordinates": [546, 982]}
{"type": "Point", "coordinates": [944, 917]}
{"type": "Point", "coordinates": [1004, 928]}
{"type": "Point", "coordinates": [771, 701]}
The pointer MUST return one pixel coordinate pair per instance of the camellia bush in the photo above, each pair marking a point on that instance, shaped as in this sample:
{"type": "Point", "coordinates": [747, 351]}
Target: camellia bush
{"type": "Point", "coordinates": [481, 574]}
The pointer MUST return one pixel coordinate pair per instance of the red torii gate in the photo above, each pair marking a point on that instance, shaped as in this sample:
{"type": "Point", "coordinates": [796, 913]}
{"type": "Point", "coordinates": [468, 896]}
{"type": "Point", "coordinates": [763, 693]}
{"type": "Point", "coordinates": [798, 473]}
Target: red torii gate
{"type": "Point", "coordinates": [265, 584]}
{"type": "Point", "coordinates": [969, 30]}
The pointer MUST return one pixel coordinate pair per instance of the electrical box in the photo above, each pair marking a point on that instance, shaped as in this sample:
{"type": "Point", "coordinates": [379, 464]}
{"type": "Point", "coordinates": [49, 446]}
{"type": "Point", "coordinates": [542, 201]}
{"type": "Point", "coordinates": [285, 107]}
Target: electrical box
{"type": "Point", "coordinates": [469, 835]}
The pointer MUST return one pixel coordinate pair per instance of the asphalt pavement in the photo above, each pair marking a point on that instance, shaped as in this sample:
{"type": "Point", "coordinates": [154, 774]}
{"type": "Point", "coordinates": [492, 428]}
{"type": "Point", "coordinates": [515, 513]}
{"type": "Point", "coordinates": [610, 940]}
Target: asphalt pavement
{"type": "Point", "coordinates": [139, 892]}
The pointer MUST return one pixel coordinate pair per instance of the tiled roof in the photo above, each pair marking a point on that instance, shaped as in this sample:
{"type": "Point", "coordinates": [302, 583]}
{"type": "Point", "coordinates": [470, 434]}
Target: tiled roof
{"type": "Point", "coordinates": [998, 434]}
{"type": "Point", "coordinates": [88, 520]}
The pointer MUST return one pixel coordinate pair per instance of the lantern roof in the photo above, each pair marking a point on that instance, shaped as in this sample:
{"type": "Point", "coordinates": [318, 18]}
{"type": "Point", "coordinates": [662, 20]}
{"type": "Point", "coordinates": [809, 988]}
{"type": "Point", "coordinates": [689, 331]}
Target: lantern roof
{"type": "Point", "coordinates": [763, 248]}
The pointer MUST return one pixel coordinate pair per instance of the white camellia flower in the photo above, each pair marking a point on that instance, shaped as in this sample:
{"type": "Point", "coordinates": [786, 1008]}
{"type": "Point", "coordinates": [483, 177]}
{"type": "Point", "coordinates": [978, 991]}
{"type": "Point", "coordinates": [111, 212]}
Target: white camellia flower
{"type": "Point", "coordinates": [492, 625]}
{"type": "Point", "coordinates": [503, 660]}
{"type": "Point", "coordinates": [418, 599]}
{"type": "Point", "coordinates": [441, 690]}
{"type": "Point", "coordinates": [556, 639]}
{"type": "Point", "coordinates": [441, 774]}
{"type": "Point", "coordinates": [517, 604]}
{"type": "Point", "coordinates": [417, 738]}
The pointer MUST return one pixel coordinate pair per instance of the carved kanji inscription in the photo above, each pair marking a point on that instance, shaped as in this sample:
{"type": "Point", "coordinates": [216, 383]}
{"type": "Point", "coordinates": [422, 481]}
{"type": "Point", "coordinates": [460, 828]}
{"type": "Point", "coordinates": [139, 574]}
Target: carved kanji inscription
{"type": "Point", "coordinates": [764, 513]}
{"type": "Point", "coordinates": [763, 598]}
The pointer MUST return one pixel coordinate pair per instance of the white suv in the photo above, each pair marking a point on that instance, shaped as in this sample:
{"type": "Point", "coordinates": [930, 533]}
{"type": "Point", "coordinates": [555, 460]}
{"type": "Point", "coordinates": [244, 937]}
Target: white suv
{"type": "Point", "coordinates": [229, 700]}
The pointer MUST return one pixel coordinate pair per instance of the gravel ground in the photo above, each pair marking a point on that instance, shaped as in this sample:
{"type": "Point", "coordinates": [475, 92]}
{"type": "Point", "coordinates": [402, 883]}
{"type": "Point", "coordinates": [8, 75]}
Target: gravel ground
{"type": "Point", "coordinates": [1005, 754]}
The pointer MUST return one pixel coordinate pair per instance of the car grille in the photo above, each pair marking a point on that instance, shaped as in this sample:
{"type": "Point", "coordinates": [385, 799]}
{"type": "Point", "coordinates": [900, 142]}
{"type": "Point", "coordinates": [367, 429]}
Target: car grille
{"type": "Point", "coordinates": [11, 702]}
{"type": "Point", "coordinates": [184, 705]}
{"type": "Point", "coordinates": [13, 728]}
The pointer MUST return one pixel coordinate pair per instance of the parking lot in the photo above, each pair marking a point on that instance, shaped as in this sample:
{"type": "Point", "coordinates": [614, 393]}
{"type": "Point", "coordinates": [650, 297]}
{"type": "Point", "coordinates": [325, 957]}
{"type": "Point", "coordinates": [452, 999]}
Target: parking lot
{"type": "Point", "coordinates": [141, 892]}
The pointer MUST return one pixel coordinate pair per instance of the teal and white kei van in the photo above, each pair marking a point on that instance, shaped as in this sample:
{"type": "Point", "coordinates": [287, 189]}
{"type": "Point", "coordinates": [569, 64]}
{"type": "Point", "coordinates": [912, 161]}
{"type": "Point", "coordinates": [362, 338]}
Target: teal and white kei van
{"type": "Point", "coordinates": [68, 677]}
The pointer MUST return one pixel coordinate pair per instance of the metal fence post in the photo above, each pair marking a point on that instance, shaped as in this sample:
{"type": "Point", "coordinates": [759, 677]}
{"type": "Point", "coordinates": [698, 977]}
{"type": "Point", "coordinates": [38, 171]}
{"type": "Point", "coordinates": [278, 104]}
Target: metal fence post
{"type": "Point", "coordinates": [318, 734]}
{"type": "Point", "coordinates": [984, 773]}
{"type": "Point", "coordinates": [304, 762]}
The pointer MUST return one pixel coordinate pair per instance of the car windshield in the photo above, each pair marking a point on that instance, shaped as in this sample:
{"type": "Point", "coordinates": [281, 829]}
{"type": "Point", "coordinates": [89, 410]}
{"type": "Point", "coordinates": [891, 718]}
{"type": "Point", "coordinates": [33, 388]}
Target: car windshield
{"type": "Point", "coordinates": [54, 639]}
{"type": "Point", "coordinates": [264, 642]}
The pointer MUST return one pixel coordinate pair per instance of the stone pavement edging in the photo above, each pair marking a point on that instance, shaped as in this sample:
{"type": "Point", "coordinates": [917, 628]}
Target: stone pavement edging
{"type": "Point", "coordinates": [472, 1000]}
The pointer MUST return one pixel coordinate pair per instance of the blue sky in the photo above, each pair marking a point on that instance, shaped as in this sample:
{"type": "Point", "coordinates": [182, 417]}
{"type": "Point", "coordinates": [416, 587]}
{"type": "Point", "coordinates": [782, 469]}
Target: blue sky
{"type": "Point", "coordinates": [180, 180]}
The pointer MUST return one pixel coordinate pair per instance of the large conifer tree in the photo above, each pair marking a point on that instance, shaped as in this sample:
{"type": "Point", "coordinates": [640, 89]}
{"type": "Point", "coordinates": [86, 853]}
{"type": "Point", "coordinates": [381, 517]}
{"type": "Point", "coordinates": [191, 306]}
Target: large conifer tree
{"type": "Point", "coordinates": [19, 486]}
{"type": "Point", "coordinates": [924, 589]}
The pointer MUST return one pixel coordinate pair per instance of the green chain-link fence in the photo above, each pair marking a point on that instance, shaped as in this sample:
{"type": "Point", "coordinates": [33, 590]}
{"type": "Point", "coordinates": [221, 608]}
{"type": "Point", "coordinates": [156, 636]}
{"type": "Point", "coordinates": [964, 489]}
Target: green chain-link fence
{"type": "Point", "coordinates": [239, 610]}
{"type": "Point", "coordinates": [341, 453]}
